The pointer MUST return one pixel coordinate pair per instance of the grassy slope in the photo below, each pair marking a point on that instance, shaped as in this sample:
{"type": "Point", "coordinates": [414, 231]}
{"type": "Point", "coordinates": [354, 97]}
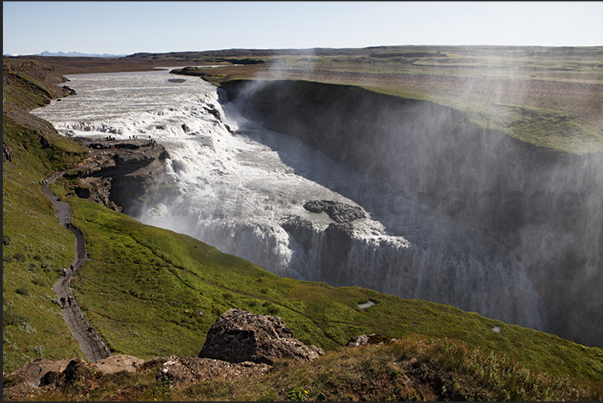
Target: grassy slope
{"type": "Point", "coordinates": [142, 280]}
{"type": "Point", "coordinates": [35, 245]}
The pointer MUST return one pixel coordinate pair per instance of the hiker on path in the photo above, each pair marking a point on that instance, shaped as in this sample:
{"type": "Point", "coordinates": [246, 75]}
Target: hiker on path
{"type": "Point", "coordinates": [62, 302]}
{"type": "Point", "coordinates": [70, 299]}
{"type": "Point", "coordinates": [64, 272]}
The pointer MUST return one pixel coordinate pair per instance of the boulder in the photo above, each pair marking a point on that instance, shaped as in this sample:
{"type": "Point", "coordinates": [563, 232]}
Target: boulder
{"type": "Point", "coordinates": [239, 336]}
{"type": "Point", "coordinates": [337, 211]}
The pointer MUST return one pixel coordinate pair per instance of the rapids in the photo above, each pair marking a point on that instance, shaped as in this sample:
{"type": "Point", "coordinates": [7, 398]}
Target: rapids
{"type": "Point", "coordinates": [238, 183]}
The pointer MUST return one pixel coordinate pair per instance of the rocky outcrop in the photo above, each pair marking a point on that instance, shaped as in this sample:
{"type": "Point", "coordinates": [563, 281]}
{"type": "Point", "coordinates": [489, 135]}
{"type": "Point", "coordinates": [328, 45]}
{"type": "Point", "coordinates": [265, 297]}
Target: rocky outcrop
{"type": "Point", "coordinates": [8, 152]}
{"type": "Point", "coordinates": [69, 90]}
{"type": "Point", "coordinates": [33, 372]}
{"type": "Point", "coordinates": [337, 211]}
{"type": "Point", "coordinates": [239, 336]}
{"type": "Point", "coordinates": [119, 172]}
{"type": "Point", "coordinates": [337, 243]}
{"type": "Point", "coordinates": [301, 230]}
{"type": "Point", "coordinates": [43, 374]}
{"type": "Point", "coordinates": [338, 235]}
{"type": "Point", "coordinates": [187, 370]}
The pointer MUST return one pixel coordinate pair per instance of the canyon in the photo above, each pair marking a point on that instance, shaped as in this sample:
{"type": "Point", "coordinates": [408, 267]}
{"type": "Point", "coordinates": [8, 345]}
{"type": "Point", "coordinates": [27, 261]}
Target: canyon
{"type": "Point", "coordinates": [543, 205]}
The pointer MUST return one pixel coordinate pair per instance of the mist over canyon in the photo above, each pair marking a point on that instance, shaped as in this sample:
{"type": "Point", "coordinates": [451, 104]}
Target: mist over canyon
{"type": "Point", "coordinates": [341, 185]}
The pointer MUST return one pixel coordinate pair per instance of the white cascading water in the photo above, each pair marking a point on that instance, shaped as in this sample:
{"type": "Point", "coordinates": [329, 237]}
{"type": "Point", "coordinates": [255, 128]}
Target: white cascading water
{"type": "Point", "coordinates": [236, 190]}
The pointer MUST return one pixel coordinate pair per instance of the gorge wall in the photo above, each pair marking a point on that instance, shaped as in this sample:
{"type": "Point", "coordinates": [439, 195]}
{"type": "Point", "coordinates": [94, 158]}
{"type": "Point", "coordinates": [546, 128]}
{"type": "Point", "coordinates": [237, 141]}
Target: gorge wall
{"type": "Point", "coordinates": [544, 205]}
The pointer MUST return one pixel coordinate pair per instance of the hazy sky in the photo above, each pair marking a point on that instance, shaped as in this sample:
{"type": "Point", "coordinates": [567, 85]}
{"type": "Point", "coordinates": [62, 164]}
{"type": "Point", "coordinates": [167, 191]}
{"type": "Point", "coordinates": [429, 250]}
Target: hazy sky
{"type": "Point", "coordinates": [117, 27]}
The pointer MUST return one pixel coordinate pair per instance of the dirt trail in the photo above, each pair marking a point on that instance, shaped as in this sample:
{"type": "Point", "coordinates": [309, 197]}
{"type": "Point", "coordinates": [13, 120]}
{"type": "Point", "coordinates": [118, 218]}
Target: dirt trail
{"type": "Point", "coordinates": [90, 343]}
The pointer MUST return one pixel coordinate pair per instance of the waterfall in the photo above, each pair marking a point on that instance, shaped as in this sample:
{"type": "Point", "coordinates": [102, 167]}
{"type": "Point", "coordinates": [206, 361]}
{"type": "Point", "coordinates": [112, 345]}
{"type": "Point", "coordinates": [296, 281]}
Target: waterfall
{"type": "Point", "coordinates": [242, 188]}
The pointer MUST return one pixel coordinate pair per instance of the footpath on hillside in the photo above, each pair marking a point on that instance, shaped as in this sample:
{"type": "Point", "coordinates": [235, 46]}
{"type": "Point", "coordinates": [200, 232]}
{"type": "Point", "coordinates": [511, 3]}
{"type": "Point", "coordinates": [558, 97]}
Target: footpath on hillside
{"type": "Point", "coordinates": [90, 343]}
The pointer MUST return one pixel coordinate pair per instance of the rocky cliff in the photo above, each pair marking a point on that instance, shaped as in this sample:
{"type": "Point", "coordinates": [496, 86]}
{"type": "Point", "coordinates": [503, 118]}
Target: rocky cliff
{"type": "Point", "coordinates": [119, 172]}
{"type": "Point", "coordinates": [543, 204]}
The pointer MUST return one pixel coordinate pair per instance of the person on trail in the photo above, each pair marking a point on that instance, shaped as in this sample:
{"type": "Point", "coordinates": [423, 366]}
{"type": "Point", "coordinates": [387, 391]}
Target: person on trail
{"type": "Point", "coordinates": [62, 302]}
{"type": "Point", "coordinates": [64, 272]}
{"type": "Point", "coordinates": [70, 299]}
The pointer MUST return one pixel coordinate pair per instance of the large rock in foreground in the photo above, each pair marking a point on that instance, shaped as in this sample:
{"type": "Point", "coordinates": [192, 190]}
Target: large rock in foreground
{"type": "Point", "coordinates": [239, 336]}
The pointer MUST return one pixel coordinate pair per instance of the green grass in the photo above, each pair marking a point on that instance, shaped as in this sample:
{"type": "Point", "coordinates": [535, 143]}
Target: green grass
{"type": "Point", "coordinates": [35, 249]}
{"type": "Point", "coordinates": [35, 246]}
{"type": "Point", "coordinates": [141, 280]}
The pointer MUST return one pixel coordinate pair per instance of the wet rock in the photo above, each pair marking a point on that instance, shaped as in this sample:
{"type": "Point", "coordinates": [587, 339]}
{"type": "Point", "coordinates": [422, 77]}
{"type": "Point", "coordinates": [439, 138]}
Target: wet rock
{"type": "Point", "coordinates": [121, 172]}
{"type": "Point", "coordinates": [301, 230]}
{"type": "Point", "coordinates": [68, 90]}
{"type": "Point", "coordinates": [239, 336]}
{"type": "Point", "coordinates": [337, 245]}
{"type": "Point", "coordinates": [337, 211]}
{"type": "Point", "coordinates": [212, 110]}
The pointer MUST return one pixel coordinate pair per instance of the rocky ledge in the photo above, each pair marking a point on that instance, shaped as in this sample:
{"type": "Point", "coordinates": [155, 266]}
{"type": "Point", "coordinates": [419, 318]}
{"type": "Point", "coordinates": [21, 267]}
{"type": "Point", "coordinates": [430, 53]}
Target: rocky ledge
{"type": "Point", "coordinates": [339, 212]}
{"type": "Point", "coordinates": [119, 172]}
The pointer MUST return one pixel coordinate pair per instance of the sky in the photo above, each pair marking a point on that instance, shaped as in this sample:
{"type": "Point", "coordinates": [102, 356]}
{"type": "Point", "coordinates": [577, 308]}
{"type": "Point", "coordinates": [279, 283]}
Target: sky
{"type": "Point", "coordinates": [120, 27]}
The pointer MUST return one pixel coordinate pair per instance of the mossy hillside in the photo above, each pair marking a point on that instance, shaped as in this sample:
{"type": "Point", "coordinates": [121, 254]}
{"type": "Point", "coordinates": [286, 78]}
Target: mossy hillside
{"type": "Point", "coordinates": [143, 285]}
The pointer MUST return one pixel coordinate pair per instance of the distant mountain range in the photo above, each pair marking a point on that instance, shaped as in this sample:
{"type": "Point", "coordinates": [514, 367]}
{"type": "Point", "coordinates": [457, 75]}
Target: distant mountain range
{"type": "Point", "coordinates": [76, 54]}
